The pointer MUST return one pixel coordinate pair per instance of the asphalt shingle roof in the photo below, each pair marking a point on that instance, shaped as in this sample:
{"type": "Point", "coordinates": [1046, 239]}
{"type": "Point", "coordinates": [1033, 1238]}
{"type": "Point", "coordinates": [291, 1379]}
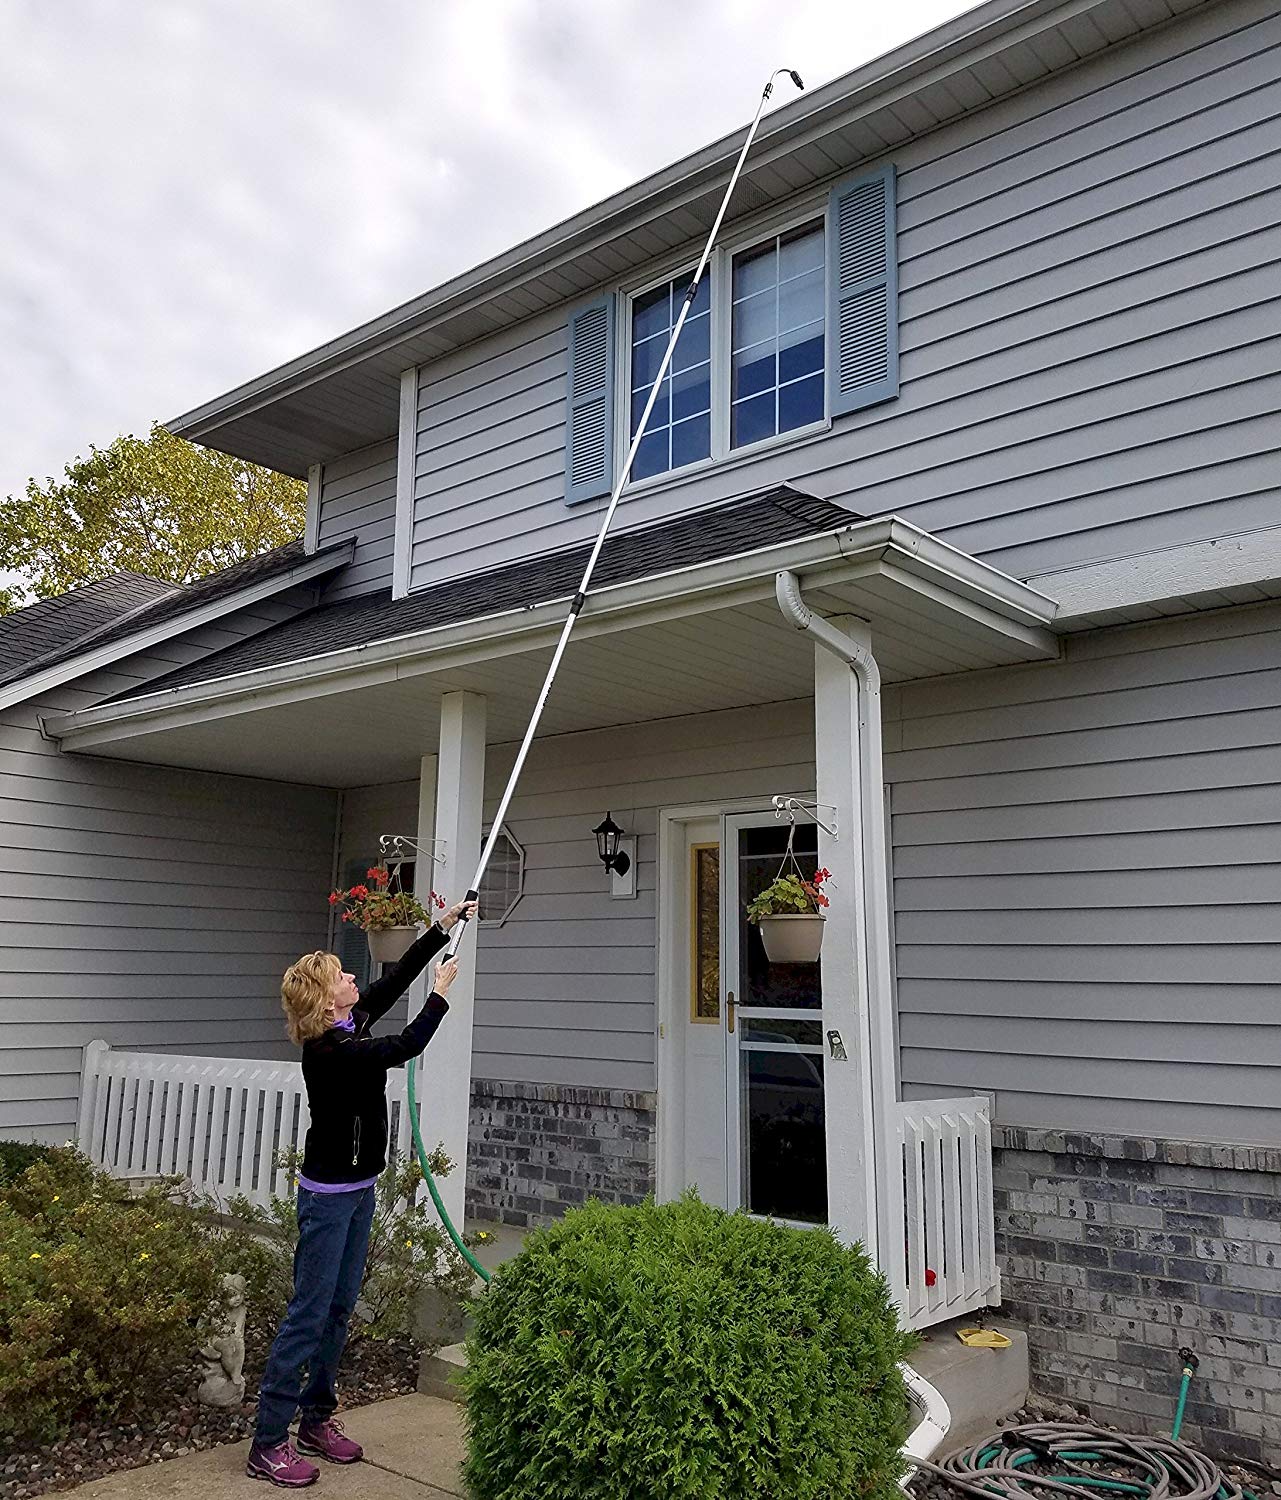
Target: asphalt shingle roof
{"type": "Point", "coordinates": [779, 515]}
{"type": "Point", "coordinates": [45, 632]}
{"type": "Point", "coordinates": [120, 606]}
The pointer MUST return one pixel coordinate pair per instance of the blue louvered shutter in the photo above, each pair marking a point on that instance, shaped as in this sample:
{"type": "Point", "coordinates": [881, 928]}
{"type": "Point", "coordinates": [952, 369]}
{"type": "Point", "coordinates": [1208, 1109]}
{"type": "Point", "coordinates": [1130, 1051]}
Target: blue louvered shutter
{"type": "Point", "coordinates": [589, 405]}
{"type": "Point", "coordinates": [862, 323]}
{"type": "Point", "coordinates": [350, 943]}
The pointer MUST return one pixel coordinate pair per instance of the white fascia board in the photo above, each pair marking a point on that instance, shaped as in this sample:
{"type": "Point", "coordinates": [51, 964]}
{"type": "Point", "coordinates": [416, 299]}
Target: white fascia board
{"type": "Point", "coordinates": [93, 660]}
{"type": "Point", "coordinates": [406, 458]}
{"type": "Point", "coordinates": [1183, 572]}
{"type": "Point", "coordinates": [311, 532]}
{"type": "Point", "coordinates": [747, 578]}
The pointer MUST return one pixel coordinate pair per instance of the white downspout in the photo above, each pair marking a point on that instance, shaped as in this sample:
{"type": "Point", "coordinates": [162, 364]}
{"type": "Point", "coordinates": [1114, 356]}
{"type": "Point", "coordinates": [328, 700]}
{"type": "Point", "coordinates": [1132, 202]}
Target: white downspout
{"type": "Point", "coordinates": [890, 1226]}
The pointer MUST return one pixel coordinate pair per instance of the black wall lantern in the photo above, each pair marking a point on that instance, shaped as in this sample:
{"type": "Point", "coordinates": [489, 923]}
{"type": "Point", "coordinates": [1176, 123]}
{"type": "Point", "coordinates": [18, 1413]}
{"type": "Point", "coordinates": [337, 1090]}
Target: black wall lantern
{"type": "Point", "coordinates": [608, 834]}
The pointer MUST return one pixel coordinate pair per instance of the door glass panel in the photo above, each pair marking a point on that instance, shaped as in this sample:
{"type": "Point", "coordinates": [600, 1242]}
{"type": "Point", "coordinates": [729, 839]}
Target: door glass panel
{"type": "Point", "coordinates": [782, 1133]}
{"type": "Point", "coordinates": [785, 1155]}
{"type": "Point", "coordinates": [760, 852]}
{"type": "Point", "coordinates": [705, 880]}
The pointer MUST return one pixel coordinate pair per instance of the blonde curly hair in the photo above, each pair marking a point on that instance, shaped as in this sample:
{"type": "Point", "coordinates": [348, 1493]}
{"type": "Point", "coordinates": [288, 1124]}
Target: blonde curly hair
{"type": "Point", "coordinates": [306, 995]}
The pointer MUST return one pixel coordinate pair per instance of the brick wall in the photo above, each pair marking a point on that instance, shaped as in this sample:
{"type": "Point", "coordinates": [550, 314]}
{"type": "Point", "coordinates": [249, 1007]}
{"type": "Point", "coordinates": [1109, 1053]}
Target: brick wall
{"type": "Point", "coordinates": [535, 1150]}
{"type": "Point", "coordinates": [1117, 1252]}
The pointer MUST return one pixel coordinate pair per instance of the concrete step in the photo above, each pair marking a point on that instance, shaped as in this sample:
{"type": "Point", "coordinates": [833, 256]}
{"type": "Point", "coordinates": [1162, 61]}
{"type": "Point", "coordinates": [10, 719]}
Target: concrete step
{"type": "Point", "coordinates": [980, 1386]}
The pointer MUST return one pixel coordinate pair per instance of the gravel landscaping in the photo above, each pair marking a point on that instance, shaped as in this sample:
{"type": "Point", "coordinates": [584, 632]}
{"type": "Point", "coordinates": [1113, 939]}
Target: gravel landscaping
{"type": "Point", "coordinates": [372, 1370]}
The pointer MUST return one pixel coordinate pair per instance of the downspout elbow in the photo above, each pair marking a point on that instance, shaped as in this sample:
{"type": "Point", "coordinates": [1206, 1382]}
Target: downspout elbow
{"type": "Point", "coordinates": [787, 590]}
{"type": "Point", "coordinates": [791, 603]}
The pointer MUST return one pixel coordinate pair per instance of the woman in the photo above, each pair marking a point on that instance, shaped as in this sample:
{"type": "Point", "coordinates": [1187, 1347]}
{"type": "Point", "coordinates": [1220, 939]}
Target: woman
{"type": "Point", "coordinates": [345, 1070]}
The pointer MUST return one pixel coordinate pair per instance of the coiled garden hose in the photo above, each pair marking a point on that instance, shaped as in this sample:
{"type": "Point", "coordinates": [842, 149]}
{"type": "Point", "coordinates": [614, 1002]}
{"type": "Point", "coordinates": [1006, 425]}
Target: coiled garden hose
{"type": "Point", "coordinates": [1027, 1462]}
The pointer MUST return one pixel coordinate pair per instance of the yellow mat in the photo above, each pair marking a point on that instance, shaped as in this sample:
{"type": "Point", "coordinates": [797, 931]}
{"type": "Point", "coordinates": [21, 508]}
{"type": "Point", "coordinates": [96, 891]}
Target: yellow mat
{"type": "Point", "coordinates": [982, 1338]}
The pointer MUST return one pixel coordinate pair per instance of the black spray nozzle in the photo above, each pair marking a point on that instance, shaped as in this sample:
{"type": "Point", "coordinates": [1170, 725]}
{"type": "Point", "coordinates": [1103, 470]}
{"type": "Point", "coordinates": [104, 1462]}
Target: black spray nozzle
{"type": "Point", "coordinates": [796, 78]}
{"type": "Point", "coordinates": [1190, 1361]}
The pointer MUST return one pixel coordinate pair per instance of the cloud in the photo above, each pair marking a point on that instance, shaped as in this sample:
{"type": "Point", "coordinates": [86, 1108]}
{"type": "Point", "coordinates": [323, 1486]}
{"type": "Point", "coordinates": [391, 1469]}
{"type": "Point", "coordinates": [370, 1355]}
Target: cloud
{"type": "Point", "coordinates": [194, 193]}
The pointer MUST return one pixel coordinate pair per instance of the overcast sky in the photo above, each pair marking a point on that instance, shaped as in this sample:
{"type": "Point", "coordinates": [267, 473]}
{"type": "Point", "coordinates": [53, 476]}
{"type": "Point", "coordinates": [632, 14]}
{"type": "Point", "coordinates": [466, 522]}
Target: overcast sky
{"type": "Point", "coordinates": [193, 191]}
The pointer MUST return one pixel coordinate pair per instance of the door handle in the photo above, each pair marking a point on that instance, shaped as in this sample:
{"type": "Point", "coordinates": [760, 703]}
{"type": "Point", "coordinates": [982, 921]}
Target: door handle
{"type": "Point", "coordinates": [729, 1010]}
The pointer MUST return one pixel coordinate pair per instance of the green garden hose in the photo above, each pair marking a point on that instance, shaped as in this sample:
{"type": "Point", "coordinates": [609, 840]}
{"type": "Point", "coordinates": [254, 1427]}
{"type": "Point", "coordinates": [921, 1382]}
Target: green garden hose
{"type": "Point", "coordinates": [1071, 1457]}
{"type": "Point", "coordinates": [431, 1181]}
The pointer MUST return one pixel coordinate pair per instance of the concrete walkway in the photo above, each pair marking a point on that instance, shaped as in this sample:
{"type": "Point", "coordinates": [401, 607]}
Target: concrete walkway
{"type": "Point", "coordinates": [413, 1447]}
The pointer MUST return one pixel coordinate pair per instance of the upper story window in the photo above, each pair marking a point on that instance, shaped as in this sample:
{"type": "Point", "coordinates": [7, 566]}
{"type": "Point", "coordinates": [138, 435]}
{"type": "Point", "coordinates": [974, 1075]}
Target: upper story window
{"type": "Point", "coordinates": [679, 430]}
{"type": "Point", "coordinates": [749, 362]}
{"type": "Point", "coordinates": [789, 330]}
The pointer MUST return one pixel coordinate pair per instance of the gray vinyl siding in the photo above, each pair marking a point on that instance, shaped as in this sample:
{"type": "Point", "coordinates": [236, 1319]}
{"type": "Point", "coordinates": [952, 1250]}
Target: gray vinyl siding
{"type": "Point", "coordinates": [1090, 293]}
{"type": "Point", "coordinates": [566, 988]}
{"type": "Point", "coordinates": [358, 499]}
{"type": "Point", "coordinates": [1087, 863]}
{"type": "Point", "coordinates": [154, 908]}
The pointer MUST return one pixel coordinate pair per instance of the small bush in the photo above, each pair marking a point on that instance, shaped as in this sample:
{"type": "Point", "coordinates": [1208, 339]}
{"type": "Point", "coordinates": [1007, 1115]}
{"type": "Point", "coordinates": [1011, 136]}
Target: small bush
{"type": "Point", "coordinates": [409, 1253]}
{"type": "Point", "coordinates": [683, 1352]}
{"type": "Point", "coordinates": [17, 1156]}
{"type": "Point", "coordinates": [102, 1294]}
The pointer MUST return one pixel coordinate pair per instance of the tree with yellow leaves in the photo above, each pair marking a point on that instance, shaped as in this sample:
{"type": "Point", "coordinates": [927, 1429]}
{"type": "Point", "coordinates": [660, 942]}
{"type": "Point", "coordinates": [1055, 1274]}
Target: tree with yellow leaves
{"type": "Point", "coordinates": [157, 505]}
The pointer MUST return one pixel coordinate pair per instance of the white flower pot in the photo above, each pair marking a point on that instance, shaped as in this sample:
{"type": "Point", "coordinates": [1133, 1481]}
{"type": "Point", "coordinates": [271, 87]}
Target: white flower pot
{"type": "Point", "coordinates": [792, 939]}
{"type": "Point", "coordinates": [388, 945]}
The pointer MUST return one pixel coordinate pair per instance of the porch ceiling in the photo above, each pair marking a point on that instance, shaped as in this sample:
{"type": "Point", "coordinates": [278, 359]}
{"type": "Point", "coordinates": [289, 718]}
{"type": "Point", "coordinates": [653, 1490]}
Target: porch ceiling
{"type": "Point", "coordinates": [709, 638]}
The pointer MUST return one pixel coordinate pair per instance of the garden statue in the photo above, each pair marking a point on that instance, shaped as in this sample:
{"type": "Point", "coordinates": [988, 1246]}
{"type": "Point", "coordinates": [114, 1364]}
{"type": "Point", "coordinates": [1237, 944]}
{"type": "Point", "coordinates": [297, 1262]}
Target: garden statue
{"type": "Point", "coordinates": [224, 1382]}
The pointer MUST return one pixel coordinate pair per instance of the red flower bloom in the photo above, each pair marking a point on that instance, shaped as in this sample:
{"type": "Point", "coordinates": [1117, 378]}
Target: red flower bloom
{"type": "Point", "coordinates": [334, 898]}
{"type": "Point", "coordinates": [359, 892]}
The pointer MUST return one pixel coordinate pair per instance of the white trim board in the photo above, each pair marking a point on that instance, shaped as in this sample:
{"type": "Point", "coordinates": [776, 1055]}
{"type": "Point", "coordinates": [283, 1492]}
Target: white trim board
{"type": "Point", "coordinates": [143, 639]}
{"type": "Point", "coordinates": [406, 458]}
{"type": "Point", "coordinates": [311, 531]}
{"type": "Point", "coordinates": [1248, 558]}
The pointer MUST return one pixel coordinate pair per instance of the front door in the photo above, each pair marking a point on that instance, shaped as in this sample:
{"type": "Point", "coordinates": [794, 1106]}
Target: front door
{"type": "Point", "coordinates": [749, 1034]}
{"type": "Point", "coordinates": [775, 1127]}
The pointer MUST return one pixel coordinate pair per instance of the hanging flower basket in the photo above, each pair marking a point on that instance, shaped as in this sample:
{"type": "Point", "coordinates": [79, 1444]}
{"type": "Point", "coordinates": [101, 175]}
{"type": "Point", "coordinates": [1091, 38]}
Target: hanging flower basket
{"type": "Point", "coordinates": [388, 945]}
{"type": "Point", "coordinates": [789, 912]}
{"type": "Point", "coordinates": [796, 939]}
{"type": "Point", "coordinates": [388, 918]}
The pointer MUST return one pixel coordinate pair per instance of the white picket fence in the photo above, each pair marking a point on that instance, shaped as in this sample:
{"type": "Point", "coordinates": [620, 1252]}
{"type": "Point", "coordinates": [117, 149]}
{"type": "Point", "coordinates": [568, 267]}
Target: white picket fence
{"type": "Point", "coordinates": [219, 1122]}
{"type": "Point", "coordinates": [949, 1262]}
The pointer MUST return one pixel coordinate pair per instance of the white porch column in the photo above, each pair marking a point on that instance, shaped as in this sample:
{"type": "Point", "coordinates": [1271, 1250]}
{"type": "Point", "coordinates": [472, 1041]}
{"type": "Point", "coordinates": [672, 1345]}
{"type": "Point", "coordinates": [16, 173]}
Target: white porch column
{"type": "Point", "coordinates": [445, 1090]}
{"type": "Point", "coordinates": [857, 1000]}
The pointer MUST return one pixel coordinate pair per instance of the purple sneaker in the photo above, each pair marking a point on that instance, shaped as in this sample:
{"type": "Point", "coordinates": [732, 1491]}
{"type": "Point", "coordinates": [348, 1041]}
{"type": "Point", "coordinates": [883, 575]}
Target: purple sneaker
{"type": "Point", "coordinates": [327, 1439]}
{"type": "Point", "coordinates": [281, 1465]}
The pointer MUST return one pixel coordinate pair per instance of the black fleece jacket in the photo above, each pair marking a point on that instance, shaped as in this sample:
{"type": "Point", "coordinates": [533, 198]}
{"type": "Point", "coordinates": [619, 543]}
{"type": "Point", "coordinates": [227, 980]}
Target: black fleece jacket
{"type": "Point", "coordinates": [346, 1073]}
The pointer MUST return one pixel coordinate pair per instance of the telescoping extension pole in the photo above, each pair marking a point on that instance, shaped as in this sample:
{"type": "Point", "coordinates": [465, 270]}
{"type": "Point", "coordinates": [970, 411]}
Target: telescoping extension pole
{"type": "Point", "coordinates": [575, 608]}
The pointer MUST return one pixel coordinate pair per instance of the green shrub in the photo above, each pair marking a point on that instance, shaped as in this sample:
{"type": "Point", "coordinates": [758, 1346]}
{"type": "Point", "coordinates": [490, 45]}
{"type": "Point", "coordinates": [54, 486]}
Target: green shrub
{"type": "Point", "coordinates": [409, 1253]}
{"type": "Point", "coordinates": [683, 1352]}
{"type": "Point", "coordinates": [103, 1294]}
{"type": "Point", "coordinates": [17, 1156]}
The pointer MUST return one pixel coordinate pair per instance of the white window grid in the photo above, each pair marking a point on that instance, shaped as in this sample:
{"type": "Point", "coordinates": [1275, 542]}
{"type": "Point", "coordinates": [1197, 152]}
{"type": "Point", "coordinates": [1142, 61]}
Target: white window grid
{"type": "Point", "coordinates": [720, 271]}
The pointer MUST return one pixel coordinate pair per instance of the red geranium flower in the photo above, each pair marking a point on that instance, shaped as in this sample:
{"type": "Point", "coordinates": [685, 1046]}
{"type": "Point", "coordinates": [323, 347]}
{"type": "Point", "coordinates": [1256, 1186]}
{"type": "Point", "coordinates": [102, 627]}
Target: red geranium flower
{"type": "Point", "coordinates": [334, 898]}
{"type": "Point", "coordinates": [359, 892]}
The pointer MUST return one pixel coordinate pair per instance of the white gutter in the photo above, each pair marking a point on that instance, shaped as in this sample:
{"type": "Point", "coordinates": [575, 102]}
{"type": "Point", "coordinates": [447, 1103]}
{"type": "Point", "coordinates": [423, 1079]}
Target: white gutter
{"type": "Point", "coordinates": [142, 640]}
{"type": "Point", "coordinates": [864, 549]}
{"type": "Point", "coordinates": [883, 1061]}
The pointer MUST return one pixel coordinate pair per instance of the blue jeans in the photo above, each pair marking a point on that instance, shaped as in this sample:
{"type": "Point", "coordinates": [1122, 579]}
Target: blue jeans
{"type": "Point", "coordinates": [333, 1238]}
